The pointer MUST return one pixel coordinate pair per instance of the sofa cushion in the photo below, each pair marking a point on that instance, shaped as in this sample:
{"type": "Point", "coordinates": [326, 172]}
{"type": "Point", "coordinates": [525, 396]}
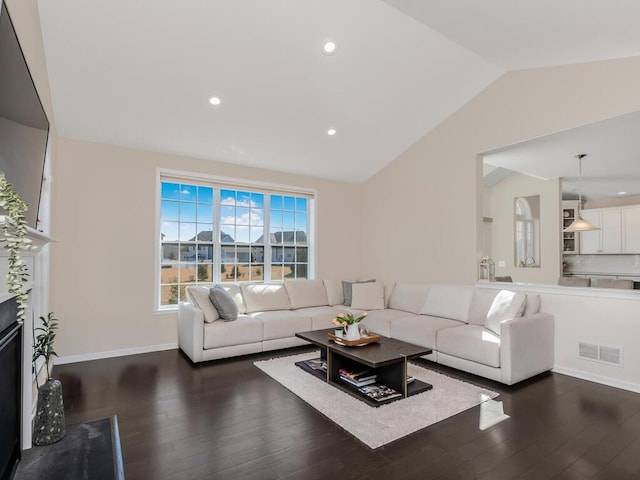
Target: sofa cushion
{"type": "Point", "coordinates": [420, 329]}
{"type": "Point", "coordinates": [367, 296]}
{"type": "Point", "coordinates": [199, 298]}
{"type": "Point", "coordinates": [470, 342]}
{"type": "Point", "coordinates": [533, 304]}
{"type": "Point", "coordinates": [224, 303]}
{"type": "Point", "coordinates": [335, 295]}
{"type": "Point", "coordinates": [347, 292]}
{"type": "Point", "coordinates": [448, 301]}
{"type": "Point", "coordinates": [480, 305]}
{"type": "Point", "coordinates": [225, 334]}
{"type": "Point", "coordinates": [506, 305]}
{"type": "Point", "coordinates": [264, 297]}
{"type": "Point", "coordinates": [408, 297]}
{"type": "Point", "coordinates": [306, 293]}
{"type": "Point", "coordinates": [379, 321]}
{"type": "Point", "coordinates": [282, 323]}
{"type": "Point", "coordinates": [233, 289]}
{"type": "Point", "coordinates": [321, 317]}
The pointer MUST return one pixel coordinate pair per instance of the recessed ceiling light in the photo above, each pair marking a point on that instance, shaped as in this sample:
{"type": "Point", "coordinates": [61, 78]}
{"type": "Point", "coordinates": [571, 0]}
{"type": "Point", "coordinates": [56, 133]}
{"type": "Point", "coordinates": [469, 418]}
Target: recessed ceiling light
{"type": "Point", "coordinates": [331, 132]}
{"type": "Point", "coordinates": [215, 100]}
{"type": "Point", "coordinates": [622, 193]}
{"type": "Point", "coordinates": [329, 47]}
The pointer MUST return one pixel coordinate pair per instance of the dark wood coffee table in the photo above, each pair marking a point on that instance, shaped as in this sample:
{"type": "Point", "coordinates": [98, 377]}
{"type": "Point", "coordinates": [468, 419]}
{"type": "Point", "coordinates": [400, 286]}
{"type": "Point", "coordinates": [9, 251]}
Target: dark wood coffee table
{"type": "Point", "coordinates": [386, 358]}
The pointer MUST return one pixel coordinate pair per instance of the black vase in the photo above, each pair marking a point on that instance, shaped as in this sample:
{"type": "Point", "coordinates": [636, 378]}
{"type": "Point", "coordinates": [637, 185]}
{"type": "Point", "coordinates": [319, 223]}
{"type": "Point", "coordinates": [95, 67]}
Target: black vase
{"type": "Point", "coordinates": [49, 425]}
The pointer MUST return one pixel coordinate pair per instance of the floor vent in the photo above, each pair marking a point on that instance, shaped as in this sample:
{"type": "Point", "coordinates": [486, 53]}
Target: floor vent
{"type": "Point", "coordinates": [600, 353]}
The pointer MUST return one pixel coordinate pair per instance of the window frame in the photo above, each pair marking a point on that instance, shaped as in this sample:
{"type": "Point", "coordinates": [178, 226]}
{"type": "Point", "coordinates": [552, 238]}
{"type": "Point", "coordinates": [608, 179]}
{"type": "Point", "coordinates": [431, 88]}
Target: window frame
{"type": "Point", "coordinates": [219, 183]}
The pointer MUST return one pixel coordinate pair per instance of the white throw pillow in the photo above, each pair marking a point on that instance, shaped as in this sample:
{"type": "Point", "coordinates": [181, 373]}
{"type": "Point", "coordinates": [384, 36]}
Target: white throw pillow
{"type": "Point", "coordinates": [367, 296]}
{"type": "Point", "coordinates": [199, 298]}
{"type": "Point", "coordinates": [533, 304]}
{"type": "Point", "coordinates": [306, 293]}
{"type": "Point", "coordinates": [505, 306]}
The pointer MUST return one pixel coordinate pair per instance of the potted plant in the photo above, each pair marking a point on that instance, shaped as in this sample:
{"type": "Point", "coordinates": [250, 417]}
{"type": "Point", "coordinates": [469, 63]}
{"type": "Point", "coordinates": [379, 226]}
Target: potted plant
{"type": "Point", "coordinates": [350, 322]}
{"type": "Point", "coordinates": [49, 424]}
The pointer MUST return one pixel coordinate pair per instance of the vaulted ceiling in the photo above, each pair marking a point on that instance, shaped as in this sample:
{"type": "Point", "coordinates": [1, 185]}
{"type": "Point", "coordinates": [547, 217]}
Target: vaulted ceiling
{"type": "Point", "coordinates": [140, 73]}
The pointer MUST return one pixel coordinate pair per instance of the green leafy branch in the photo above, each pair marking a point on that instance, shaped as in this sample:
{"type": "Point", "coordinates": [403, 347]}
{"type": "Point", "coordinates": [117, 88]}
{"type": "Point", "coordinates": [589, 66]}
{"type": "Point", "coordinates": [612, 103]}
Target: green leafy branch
{"type": "Point", "coordinates": [14, 229]}
{"type": "Point", "coordinates": [45, 335]}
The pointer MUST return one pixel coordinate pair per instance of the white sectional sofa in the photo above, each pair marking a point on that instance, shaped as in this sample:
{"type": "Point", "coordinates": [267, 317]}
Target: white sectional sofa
{"type": "Point", "coordinates": [496, 334]}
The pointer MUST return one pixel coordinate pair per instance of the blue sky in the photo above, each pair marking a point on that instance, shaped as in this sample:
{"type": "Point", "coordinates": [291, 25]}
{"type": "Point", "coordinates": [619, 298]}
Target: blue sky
{"type": "Point", "coordinates": [188, 210]}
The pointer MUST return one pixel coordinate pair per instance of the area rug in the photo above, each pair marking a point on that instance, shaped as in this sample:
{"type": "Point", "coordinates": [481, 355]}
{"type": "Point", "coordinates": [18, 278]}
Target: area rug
{"type": "Point", "coordinates": [89, 451]}
{"type": "Point", "coordinates": [373, 426]}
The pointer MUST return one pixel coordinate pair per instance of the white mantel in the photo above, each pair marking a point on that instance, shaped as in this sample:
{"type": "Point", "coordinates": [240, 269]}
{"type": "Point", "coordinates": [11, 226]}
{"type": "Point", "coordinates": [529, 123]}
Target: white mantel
{"type": "Point", "coordinates": [37, 261]}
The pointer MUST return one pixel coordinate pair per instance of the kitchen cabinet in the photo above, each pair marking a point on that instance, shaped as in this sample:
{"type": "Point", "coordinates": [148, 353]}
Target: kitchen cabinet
{"type": "Point", "coordinates": [606, 240]}
{"type": "Point", "coordinates": [631, 229]}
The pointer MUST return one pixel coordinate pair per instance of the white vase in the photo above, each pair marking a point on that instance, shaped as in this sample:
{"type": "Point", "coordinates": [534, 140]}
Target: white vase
{"type": "Point", "coordinates": [353, 332]}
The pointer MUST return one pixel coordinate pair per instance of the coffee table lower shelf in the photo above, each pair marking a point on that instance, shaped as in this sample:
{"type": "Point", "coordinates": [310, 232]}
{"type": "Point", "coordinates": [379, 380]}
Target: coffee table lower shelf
{"type": "Point", "coordinates": [413, 388]}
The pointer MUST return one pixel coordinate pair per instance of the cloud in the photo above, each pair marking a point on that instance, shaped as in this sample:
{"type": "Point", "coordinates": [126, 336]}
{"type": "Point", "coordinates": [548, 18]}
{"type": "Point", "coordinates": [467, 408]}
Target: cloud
{"type": "Point", "coordinates": [241, 203]}
{"type": "Point", "coordinates": [251, 218]}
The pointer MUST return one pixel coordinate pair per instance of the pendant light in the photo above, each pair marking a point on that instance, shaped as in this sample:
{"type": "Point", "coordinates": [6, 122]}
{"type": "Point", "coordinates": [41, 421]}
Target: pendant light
{"type": "Point", "coordinates": [580, 224]}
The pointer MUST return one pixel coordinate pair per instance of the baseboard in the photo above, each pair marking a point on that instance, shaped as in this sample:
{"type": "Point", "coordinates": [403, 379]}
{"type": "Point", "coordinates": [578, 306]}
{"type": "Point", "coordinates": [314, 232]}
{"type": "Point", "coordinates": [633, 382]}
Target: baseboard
{"type": "Point", "coordinates": [115, 353]}
{"type": "Point", "coordinates": [611, 382]}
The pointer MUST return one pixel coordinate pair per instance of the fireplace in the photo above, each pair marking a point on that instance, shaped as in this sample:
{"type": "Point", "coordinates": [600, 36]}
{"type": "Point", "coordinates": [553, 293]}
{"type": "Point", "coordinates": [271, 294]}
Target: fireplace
{"type": "Point", "coordinates": [10, 388]}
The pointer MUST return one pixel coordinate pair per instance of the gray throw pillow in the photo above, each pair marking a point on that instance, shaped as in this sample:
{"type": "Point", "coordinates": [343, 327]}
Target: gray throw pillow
{"type": "Point", "coordinates": [347, 290]}
{"type": "Point", "coordinates": [223, 302]}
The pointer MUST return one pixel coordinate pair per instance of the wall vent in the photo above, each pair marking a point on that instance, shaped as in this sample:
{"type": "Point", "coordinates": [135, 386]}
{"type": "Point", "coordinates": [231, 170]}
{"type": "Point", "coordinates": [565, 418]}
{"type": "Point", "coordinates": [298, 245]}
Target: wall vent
{"type": "Point", "coordinates": [600, 353]}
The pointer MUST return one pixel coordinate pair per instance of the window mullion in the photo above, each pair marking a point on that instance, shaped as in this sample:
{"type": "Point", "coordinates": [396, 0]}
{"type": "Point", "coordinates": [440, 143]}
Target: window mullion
{"type": "Point", "coordinates": [267, 238]}
{"type": "Point", "coordinates": [217, 250]}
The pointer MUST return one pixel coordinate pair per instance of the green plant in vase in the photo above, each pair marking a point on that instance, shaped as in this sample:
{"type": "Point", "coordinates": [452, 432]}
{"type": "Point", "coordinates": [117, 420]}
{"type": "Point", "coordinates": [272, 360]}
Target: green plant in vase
{"type": "Point", "coordinates": [49, 424]}
{"type": "Point", "coordinates": [14, 237]}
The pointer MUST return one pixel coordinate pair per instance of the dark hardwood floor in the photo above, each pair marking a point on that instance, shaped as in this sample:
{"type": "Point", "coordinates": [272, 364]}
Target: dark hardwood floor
{"type": "Point", "coordinates": [228, 420]}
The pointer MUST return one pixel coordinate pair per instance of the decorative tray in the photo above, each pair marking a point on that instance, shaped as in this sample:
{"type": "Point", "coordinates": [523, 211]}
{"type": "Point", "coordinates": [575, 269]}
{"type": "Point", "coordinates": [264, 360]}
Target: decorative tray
{"type": "Point", "coordinates": [371, 338]}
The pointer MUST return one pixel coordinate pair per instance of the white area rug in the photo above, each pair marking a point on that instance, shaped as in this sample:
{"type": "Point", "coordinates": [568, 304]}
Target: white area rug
{"type": "Point", "coordinates": [373, 426]}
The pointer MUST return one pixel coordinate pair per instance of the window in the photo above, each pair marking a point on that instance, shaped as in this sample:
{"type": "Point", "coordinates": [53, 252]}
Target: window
{"type": "Point", "coordinates": [288, 237]}
{"type": "Point", "coordinates": [215, 233]}
{"type": "Point", "coordinates": [241, 236]}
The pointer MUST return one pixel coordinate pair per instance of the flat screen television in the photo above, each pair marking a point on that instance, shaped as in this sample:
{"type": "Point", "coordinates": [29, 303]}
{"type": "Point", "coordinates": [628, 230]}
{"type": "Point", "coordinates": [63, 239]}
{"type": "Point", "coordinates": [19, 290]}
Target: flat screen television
{"type": "Point", "coordinates": [24, 127]}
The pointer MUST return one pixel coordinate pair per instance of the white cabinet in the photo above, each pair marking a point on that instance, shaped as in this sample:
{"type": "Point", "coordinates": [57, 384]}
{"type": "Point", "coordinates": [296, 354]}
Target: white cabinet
{"type": "Point", "coordinates": [606, 240]}
{"type": "Point", "coordinates": [631, 229]}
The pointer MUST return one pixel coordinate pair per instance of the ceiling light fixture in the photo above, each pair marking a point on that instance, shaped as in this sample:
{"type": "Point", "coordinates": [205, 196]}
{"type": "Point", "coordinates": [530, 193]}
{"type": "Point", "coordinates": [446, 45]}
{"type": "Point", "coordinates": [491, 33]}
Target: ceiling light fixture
{"type": "Point", "coordinates": [622, 193]}
{"type": "Point", "coordinates": [329, 47]}
{"type": "Point", "coordinates": [580, 224]}
{"type": "Point", "coordinates": [215, 100]}
{"type": "Point", "coordinates": [331, 132]}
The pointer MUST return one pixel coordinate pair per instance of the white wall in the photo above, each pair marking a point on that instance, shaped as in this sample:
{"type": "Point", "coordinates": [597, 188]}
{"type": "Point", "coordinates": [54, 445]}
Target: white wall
{"type": "Point", "coordinates": [104, 223]}
{"type": "Point", "coordinates": [423, 211]}
{"type": "Point", "coordinates": [502, 228]}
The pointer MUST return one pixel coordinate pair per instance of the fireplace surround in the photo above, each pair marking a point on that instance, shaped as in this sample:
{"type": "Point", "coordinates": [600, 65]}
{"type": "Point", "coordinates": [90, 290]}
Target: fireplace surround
{"type": "Point", "coordinates": [11, 367]}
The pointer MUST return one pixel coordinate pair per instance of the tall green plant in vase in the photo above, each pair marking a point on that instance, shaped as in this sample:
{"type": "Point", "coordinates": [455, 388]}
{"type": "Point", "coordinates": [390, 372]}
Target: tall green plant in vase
{"type": "Point", "coordinates": [49, 425]}
{"type": "Point", "coordinates": [14, 238]}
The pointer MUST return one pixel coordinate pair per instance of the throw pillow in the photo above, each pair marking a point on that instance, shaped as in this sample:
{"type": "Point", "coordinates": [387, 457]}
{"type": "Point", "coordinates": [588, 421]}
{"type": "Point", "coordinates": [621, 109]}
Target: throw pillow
{"type": "Point", "coordinates": [505, 306]}
{"type": "Point", "coordinates": [224, 303]}
{"type": "Point", "coordinates": [367, 296]}
{"type": "Point", "coordinates": [346, 290]}
{"type": "Point", "coordinates": [199, 298]}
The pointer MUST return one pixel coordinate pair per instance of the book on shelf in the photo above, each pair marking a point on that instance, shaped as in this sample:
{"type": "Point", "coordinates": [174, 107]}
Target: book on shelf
{"type": "Point", "coordinates": [316, 364]}
{"type": "Point", "coordinates": [360, 375]}
{"type": "Point", "coordinates": [359, 383]}
{"type": "Point", "coordinates": [379, 392]}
